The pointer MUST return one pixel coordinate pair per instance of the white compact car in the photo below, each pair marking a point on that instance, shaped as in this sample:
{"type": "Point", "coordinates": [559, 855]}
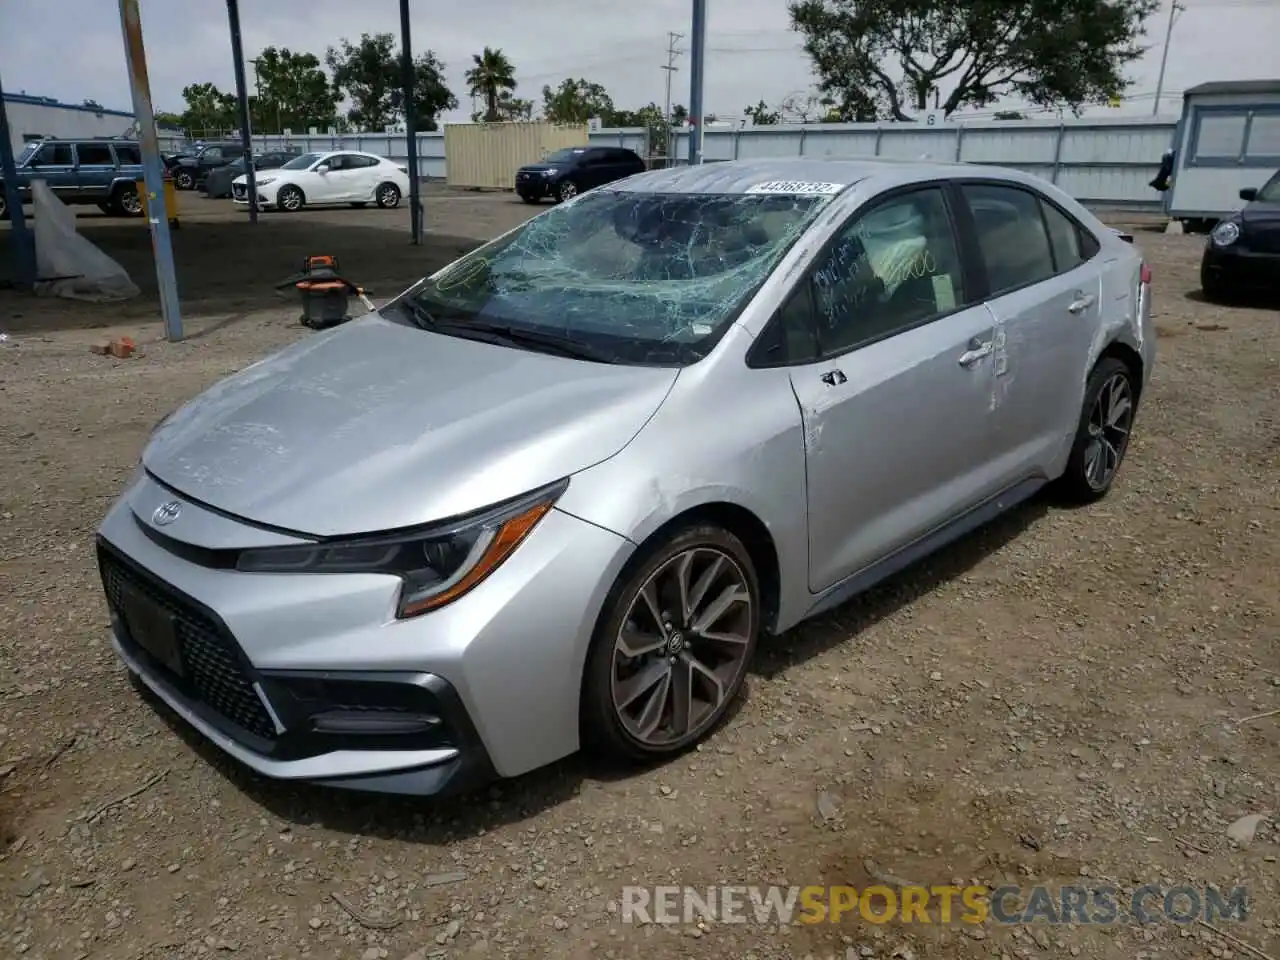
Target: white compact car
{"type": "Point", "coordinates": [340, 176]}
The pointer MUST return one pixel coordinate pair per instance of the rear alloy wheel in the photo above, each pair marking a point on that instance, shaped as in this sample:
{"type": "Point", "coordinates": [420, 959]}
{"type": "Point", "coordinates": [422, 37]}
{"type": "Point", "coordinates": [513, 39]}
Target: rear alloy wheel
{"type": "Point", "coordinates": [290, 199]}
{"type": "Point", "coordinates": [388, 196]}
{"type": "Point", "coordinates": [566, 191]}
{"type": "Point", "coordinates": [1102, 437]}
{"type": "Point", "coordinates": [4, 204]}
{"type": "Point", "coordinates": [184, 180]}
{"type": "Point", "coordinates": [672, 652]}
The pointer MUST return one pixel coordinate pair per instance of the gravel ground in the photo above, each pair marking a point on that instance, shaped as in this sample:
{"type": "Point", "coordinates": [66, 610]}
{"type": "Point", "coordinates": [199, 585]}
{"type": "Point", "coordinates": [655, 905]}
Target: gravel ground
{"type": "Point", "coordinates": [1059, 698]}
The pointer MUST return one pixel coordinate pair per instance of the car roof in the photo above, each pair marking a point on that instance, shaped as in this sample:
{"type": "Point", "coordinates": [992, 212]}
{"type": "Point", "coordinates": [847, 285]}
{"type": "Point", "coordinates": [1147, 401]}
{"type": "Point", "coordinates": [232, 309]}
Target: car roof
{"type": "Point", "coordinates": [740, 176]}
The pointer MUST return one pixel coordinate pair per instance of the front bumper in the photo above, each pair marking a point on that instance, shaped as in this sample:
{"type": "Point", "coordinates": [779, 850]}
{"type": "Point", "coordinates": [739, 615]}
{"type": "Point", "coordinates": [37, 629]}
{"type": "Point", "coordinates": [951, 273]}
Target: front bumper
{"type": "Point", "coordinates": [240, 194]}
{"type": "Point", "coordinates": [534, 186]}
{"type": "Point", "coordinates": [310, 678]}
{"type": "Point", "coordinates": [1239, 266]}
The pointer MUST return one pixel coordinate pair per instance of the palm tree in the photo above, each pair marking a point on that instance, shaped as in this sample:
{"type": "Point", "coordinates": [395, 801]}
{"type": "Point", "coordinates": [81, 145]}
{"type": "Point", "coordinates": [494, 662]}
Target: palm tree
{"type": "Point", "coordinates": [489, 78]}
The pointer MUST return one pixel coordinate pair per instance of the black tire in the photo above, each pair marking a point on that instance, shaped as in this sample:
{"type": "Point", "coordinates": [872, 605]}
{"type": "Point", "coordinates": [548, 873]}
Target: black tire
{"type": "Point", "coordinates": [388, 195]}
{"type": "Point", "coordinates": [4, 203]}
{"type": "Point", "coordinates": [125, 201]}
{"type": "Point", "coordinates": [566, 190]}
{"type": "Point", "coordinates": [603, 730]}
{"type": "Point", "coordinates": [1080, 483]}
{"type": "Point", "coordinates": [290, 199]}
{"type": "Point", "coordinates": [1213, 287]}
{"type": "Point", "coordinates": [184, 179]}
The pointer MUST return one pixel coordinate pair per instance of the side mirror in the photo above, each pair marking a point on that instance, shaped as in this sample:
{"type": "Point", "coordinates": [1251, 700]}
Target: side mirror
{"type": "Point", "coordinates": [1249, 194]}
{"type": "Point", "coordinates": [323, 168]}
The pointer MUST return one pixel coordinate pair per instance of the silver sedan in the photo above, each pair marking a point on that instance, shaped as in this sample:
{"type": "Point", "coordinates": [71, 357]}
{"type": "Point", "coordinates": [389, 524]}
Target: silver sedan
{"type": "Point", "coordinates": [556, 493]}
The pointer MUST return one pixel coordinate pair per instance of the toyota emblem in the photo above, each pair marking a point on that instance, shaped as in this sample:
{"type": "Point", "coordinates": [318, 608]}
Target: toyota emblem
{"type": "Point", "coordinates": [166, 513]}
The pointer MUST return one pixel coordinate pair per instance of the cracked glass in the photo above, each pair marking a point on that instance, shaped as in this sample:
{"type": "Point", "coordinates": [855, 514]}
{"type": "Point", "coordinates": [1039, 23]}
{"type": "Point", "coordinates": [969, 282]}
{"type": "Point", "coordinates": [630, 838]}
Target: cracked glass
{"type": "Point", "coordinates": [626, 277]}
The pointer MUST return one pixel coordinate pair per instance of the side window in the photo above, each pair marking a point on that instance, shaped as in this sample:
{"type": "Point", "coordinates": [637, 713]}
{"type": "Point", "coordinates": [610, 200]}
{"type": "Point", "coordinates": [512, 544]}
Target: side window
{"type": "Point", "coordinates": [357, 161]}
{"type": "Point", "coordinates": [1011, 236]}
{"type": "Point", "coordinates": [95, 155]}
{"type": "Point", "coordinates": [338, 162]}
{"type": "Point", "coordinates": [54, 155]}
{"type": "Point", "coordinates": [1064, 238]}
{"type": "Point", "coordinates": [894, 267]}
{"type": "Point", "coordinates": [128, 154]}
{"type": "Point", "coordinates": [790, 336]}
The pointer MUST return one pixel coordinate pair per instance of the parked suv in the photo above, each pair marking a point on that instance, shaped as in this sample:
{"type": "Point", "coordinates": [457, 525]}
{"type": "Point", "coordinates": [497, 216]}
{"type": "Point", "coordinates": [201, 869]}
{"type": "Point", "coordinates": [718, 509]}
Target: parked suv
{"type": "Point", "coordinates": [566, 173]}
{"type": "Point", "coordinates": [102, 172]}
{"type": "Point", "coordinates": [190, 170]}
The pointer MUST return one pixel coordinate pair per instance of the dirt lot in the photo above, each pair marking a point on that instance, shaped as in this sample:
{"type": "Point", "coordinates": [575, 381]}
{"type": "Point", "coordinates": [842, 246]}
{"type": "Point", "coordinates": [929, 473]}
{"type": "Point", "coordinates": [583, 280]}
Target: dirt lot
{"type": "Point", "coordinates": [1060, 698]}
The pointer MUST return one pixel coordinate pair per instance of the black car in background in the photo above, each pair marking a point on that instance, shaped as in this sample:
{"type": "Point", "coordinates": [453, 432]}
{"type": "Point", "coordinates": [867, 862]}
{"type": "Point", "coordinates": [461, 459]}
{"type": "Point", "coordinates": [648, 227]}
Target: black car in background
{"type": "Point", "coordinates": [216, 183]}
{"type": "Point", "coordinates": [1242, 254]}
{"type": "Point", "coordinates": [566, 173]}
{"type": "Point", "coordinates": [188, 170]}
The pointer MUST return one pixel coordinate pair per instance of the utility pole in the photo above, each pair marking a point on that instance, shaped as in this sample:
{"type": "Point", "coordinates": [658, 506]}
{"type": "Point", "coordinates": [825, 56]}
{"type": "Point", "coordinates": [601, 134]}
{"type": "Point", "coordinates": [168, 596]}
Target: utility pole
{"type": "Point", "coordinates": [697, 57]}
{"type": "Point", "coordinates": [408, 80]}
{"type": "Point", "coordinates": [1174, 10]}
{"type": "Point", "coordinates": [670, 68]}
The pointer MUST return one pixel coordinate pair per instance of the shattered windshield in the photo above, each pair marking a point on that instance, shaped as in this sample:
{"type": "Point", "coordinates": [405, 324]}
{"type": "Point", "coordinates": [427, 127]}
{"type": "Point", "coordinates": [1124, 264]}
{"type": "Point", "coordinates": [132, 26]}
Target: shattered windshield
{"type": "Point", "coordinates": [643, 278]}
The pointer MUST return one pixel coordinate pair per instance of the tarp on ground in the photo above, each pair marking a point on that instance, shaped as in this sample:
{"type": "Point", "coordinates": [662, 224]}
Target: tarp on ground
{"type": "Point", "coordinates": [68, 265]}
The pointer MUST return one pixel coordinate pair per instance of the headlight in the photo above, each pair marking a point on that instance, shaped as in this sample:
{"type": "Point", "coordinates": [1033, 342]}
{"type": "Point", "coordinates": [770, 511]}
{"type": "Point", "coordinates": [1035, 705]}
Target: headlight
{"type": "Point", "coordinates": [437, 565]}
{"type": "Point", "coordinates": [263, 181]}
{"type": "Point", "coordinates": [1225, 233]}
{"type": "Point", "coordinates": [550, 173]}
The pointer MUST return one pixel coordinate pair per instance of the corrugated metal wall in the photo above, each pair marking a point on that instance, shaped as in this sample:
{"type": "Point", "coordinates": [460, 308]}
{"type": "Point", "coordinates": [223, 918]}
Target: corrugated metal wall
{"type": "Point", "coordinates": [1101, 162]}
{"type": "Point", "coordinates": [489, 154]}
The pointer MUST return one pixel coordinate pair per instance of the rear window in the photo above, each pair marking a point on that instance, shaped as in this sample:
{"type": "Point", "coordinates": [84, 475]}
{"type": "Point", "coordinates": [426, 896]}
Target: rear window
{"type": "Point", "coordinates": [128, 154]}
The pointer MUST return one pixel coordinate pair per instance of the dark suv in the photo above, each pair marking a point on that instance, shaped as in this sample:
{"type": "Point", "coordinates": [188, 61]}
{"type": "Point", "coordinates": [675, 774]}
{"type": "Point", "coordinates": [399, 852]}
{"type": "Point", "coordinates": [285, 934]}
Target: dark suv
{"type": "Point", "coordinates": [102, 172]}
{"type": "Point", "coordinates": [1242, 253]}
{"type": "Point", "coordinates": [566, 173]}
{"type": "Point", "coordinates": [188, 171]}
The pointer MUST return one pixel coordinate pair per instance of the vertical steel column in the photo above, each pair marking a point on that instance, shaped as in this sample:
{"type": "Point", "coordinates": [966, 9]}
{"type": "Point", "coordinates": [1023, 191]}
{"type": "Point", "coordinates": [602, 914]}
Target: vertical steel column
{"type": "Point", "coordinates": [408, 82]}
{"type": "Point", "coordinates": [24, 244]}
{"type": "Point", "coordinates": [697, 60]}
{"type": "Point", "coordinates": [152, 168]}
{"type": "Point", "coordinates": [242, 100]}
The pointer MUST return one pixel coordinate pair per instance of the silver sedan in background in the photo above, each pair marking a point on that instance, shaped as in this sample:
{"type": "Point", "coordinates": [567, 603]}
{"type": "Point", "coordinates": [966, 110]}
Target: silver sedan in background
{"type": "Point", "coordinates": [556, 493]}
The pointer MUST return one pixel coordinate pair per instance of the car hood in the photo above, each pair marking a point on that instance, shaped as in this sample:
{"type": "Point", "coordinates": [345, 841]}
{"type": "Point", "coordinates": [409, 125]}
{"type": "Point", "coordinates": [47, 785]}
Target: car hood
{"type": "Point", "coordinates": [1261, 213]}
{"type": "Point", "coordinates": [375, 425]}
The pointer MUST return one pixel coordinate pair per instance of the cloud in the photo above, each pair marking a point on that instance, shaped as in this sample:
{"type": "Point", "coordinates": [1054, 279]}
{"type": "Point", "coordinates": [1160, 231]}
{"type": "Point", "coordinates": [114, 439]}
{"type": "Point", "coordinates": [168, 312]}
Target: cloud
{"type": "Point", "coordinates": [752, 55]}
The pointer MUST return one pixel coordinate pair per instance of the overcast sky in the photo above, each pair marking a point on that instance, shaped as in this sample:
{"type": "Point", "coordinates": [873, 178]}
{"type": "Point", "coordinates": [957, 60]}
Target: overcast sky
{"type": "Point", "coordinates": [72, 50]}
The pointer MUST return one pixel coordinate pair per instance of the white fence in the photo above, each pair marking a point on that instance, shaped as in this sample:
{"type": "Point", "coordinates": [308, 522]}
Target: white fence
{"type": "Point", "coordinates": [1100, 162]}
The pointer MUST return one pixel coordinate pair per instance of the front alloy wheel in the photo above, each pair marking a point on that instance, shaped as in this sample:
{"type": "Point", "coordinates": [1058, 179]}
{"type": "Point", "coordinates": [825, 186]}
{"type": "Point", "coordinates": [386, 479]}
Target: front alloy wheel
{"type": "Point", "coordinates": [566, 191]}
{"type": "Point", "coordinates": [672, 658]}
{"type": "Point", "coordinates": [184, 180]}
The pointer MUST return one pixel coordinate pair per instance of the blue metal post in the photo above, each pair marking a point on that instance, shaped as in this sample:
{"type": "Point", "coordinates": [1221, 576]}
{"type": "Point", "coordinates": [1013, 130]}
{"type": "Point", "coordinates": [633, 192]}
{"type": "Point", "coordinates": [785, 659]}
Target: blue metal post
{"type": "Point", "coordinates": [242, 101]}
{"type": "Point", "coordinates": [408, 80]}
{"type": "Point", "coordinates": [152, 168]}
{"type": "Point", "coordinates": [697, 58]}
{"type": "Point", "coordinates": [24, 246]}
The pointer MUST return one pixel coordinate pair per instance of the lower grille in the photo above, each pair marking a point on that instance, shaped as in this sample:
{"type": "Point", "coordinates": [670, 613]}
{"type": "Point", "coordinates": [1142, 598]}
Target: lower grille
{"type": "Point", "coordinates": [214, 667]}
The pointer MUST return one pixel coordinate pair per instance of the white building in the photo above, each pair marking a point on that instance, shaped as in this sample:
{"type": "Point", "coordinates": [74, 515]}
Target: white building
{"type": "Point", "coordinates": [31, 118]}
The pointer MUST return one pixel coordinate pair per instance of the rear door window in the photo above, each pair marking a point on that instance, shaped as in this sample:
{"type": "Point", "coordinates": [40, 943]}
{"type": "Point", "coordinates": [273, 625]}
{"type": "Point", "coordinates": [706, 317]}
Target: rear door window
{"type": "Point", "coordinates": [128, 154]}
{"type": "Point", "coordinates": [1012, 237]}
{"type": "Point", "coordinates": [95, 155]}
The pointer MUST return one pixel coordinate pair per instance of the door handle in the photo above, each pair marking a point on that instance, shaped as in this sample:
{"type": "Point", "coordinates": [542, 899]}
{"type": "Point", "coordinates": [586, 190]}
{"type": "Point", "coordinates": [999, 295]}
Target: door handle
{"type": "Point", "coordinates": [1082, 302]}
{"type": "Point", "coordinates": [975, 352]}
{"type": "Point", "coordinates": [833, 378]}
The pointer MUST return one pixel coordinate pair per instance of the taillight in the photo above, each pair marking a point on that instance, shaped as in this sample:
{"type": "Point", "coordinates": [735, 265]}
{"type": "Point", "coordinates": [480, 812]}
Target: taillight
{"type": "Point", "coordinates": [1145, 275]}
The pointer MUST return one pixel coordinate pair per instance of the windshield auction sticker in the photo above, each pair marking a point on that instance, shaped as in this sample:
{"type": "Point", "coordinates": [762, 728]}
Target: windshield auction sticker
{"type": "Point", "coordinates": [796, 188]}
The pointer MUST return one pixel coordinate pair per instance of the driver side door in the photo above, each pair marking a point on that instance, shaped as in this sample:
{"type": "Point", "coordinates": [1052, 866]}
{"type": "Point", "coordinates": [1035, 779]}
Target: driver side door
{"type": "Point", "coordinates": [897, 399]}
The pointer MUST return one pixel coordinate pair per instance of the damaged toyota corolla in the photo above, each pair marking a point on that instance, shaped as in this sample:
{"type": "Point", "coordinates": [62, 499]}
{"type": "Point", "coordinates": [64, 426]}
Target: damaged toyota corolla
{"type": "Point", "coordinates": [555, 494]}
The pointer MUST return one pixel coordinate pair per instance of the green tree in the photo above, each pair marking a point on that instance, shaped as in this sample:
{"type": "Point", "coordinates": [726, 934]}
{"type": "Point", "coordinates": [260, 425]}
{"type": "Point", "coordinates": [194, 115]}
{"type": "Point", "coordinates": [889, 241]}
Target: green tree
{"type": "Point", "coordinates": [1048, 52]}
{"type": "Point", "coordinates": [368, 74]}
{"type": "Point", "coordinates": [294, 91]}
{"type": "Point", "coordinates": [209, 110]}
{"type": "Point", "coordinates": [577, 101]}
{"type": "Point", "coordinates": [762, 116]}
{"type": "Point", "coordinates": [489, 78]}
